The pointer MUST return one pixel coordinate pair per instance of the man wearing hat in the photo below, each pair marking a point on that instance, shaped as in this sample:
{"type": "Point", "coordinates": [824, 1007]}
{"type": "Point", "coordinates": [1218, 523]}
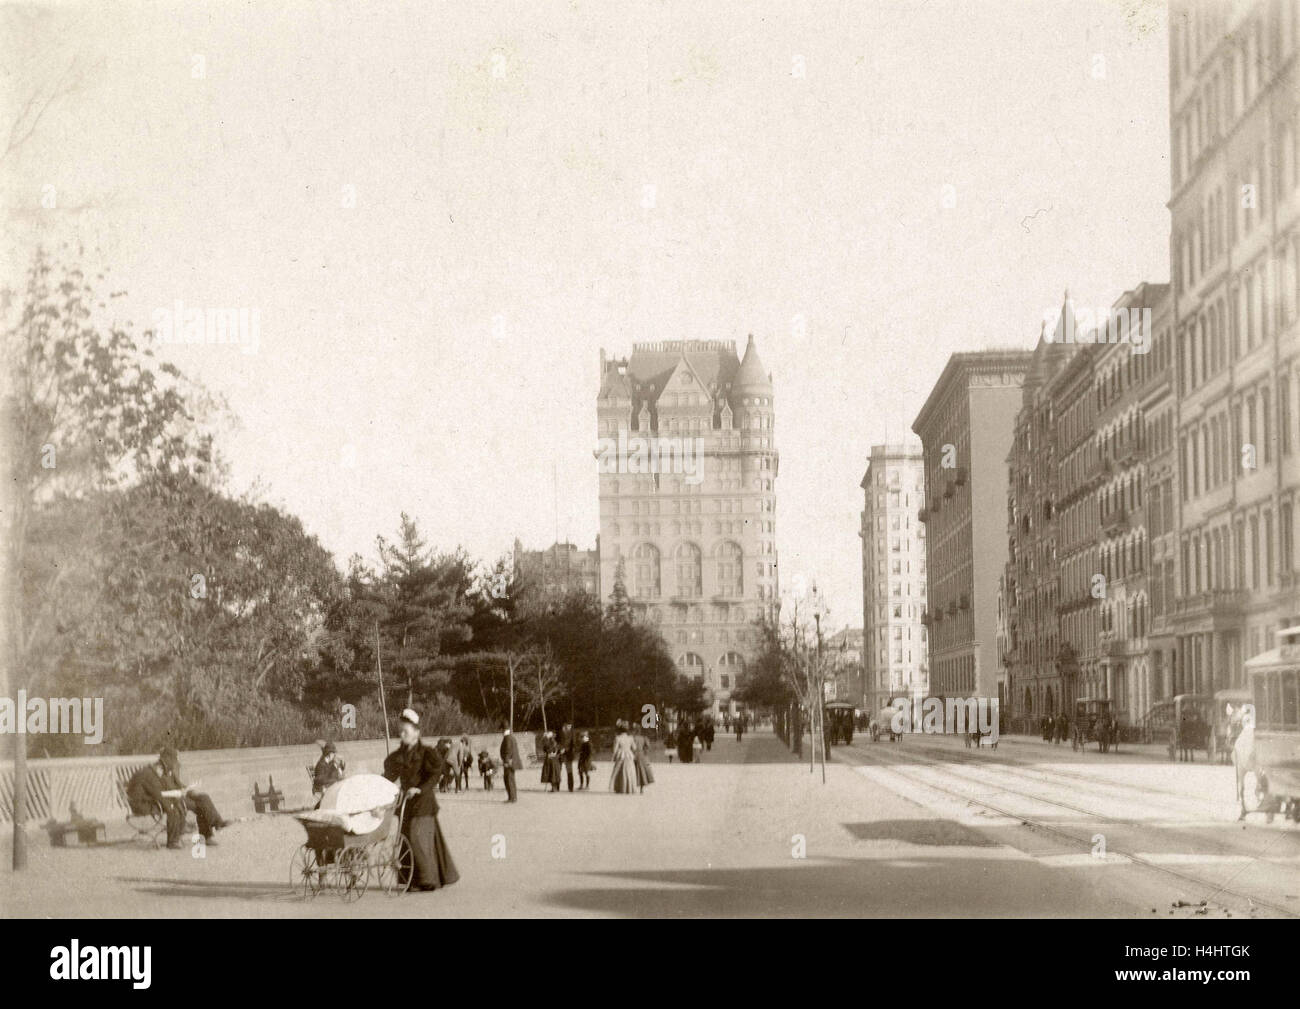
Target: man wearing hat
{"type": "Point", "coordinates": [510, 761]}
{"type": "Point", "coordinates": [146, 788]}
{"type": "Point", "coordinates": [198, 803]}
{"type": "Point", "coordinates": [329, 769]}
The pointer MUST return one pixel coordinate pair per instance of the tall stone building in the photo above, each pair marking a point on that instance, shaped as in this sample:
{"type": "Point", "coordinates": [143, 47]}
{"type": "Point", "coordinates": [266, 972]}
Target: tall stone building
{"type": "Point", "coordinates": [1032, 582]}
{"type": "Point", "coordinates": [1235, 210]}
{"type": "Point", "coordinates": [1159, 405]}
{"type": "Point", "coordinates": [895, 646]}
{"type": "Point", "coordinates": [1123, 371]}
{"type": "Point", "coordinates": [966, 428]}
{"type": "Point", "coordinates": [1078, 584]}
{"type": "Point", "coordinates": [688, 466]}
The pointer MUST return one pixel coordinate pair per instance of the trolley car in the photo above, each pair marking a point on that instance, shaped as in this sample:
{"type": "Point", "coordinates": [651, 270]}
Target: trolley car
{"type": "Point", "coordinates": [1268, 772]}
{"type": "Point", "coordinates": [839, 722]}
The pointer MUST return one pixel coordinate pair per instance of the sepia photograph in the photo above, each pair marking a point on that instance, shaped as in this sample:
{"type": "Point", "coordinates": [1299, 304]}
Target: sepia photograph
{"type": "Point", "coordinates": [732, 459]}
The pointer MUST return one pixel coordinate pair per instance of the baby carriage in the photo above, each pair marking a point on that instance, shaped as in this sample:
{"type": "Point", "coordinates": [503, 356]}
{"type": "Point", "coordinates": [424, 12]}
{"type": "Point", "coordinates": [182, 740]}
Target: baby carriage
{"type": "Point", "coordinates": [347, 851]}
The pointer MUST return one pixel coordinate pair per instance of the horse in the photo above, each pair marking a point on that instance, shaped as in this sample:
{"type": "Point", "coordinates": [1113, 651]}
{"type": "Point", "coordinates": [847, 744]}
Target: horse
{"type": "Point", "coordinates": [1243, 764]}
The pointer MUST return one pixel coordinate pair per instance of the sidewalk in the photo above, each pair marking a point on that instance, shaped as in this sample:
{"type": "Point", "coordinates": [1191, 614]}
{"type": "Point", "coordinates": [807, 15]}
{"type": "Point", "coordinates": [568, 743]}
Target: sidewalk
{"type": "Point", "coordinates": [747, 832]}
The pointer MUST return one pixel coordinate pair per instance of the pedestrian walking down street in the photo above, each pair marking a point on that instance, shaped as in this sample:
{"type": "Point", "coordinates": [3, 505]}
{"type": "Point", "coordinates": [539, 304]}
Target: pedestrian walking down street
{"type": "Point", "coordinates": [685, 742]}
{"type": "Point", "coordinates": [487, 769]}
{"type": "Point", "coordinates": [706, 734]}
{"type": "Point", "coordinates": [417, 770]}
{"type": "Point", "coordinates": [623, 777]}
{"type": "Point", "coordinates": [697, 749]}
{"type": "Point", "coordinates": [550, 761]}
{"type": "Point", "coordinates": [568, 748]}
{"type": "Point", "coordinates": [466, 763]}
{"type": "Point", "coordinates": [510, 761]}
{"type": "Point", "coordinates": [641, 753]}
{"type": "Point", "coordinates": [740, 728]}
{"type": "Point", "coordinates": [584, 762]}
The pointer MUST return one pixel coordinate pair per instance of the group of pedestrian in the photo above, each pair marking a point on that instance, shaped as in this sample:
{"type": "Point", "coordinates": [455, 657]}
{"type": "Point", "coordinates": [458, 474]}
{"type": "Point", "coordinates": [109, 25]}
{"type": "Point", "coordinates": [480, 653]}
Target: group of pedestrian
{"type": "Point", "coordinates": [1055, 729]}
{"type": "Point", "coordinates": [458, 761]}
{"type": "Point", "coordinates": [631, 760]}
{"type": "Point", "coordinates": [563, 752]}
{"type": "Point", "coordinates": [692, 741]}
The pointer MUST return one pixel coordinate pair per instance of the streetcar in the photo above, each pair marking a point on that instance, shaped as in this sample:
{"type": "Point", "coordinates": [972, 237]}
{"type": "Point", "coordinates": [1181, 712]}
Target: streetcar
{"type": "Point", "coordinates": [839, 722]}
{"type": "Point", "coordinates": [1268, 765]}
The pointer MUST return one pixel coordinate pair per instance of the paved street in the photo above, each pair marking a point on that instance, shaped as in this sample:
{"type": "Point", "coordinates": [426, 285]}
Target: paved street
{"type": "Point", "coordinates": [921, 827]}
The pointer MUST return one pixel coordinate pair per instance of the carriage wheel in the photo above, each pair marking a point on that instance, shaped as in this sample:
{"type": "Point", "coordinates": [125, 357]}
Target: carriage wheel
{"type": "Point", "coordinates": [395, 871]}
{"type": "Point", "coordinates": [304, 872]}
{"type": "Point", "coordinates": [352, 875]}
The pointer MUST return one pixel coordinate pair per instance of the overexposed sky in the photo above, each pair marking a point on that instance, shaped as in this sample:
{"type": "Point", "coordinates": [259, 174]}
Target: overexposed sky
{"type": "Point", "coordinates": [866, 187]}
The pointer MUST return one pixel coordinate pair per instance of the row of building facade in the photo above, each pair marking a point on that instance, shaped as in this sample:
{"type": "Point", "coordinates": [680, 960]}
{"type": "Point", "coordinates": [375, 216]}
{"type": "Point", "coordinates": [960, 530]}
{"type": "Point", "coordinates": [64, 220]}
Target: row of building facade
{"type": "Point", "coordinates": [1112, 514]}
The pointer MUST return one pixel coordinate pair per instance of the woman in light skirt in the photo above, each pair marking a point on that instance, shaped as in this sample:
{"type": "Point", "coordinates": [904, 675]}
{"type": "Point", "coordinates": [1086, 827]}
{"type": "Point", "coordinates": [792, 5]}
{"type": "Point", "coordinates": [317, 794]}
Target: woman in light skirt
{"type": "Point", "coordinates": [623, 778]}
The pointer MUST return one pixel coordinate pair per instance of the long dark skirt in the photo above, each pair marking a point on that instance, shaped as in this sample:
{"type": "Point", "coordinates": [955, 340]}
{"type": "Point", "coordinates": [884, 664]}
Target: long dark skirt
{"type": "Point", "coordinates": [433, 865]}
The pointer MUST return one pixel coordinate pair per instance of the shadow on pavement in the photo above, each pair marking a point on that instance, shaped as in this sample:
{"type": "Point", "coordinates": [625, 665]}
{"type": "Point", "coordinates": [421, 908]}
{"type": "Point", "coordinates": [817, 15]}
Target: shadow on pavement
{"type": "Point", "coordinates": [213, 889]}
{"type": "Point", "coordinates": [908, 885]}
{"type": "Point", "coordinates": [927, 832]}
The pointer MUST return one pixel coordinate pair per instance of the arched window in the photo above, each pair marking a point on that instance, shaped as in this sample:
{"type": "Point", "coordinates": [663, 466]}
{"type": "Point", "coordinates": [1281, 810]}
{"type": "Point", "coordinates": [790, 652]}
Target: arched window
{"type": "Point", "coordinates": [730, 560]}
{"type": "Point", "coordinates": [730, 666]}
{"type": "Point", "coordinates": [688, 561]}
{"type": "Point", "coordinates": [691, 665]}
{"type": "Point", "coordinates": [645, 569]}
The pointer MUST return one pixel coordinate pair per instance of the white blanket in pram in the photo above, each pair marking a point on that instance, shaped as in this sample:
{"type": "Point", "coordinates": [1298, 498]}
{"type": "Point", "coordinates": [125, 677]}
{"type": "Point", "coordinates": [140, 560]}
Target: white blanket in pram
{"type": "Point", "coordinates": [357, 804]}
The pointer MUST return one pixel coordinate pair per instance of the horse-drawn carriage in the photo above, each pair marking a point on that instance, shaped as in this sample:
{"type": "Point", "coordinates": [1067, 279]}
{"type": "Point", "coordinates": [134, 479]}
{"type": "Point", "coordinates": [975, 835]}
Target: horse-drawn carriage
{"type": "Point", "coordinates": [1094, 722]}
{"type": "Point", "coordinates": [1182, 724]}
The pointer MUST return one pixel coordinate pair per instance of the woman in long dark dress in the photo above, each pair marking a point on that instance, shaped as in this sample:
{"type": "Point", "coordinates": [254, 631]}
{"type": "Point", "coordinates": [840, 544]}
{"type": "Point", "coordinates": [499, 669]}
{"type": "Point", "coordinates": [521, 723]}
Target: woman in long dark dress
{"type": "Point", "coordinates": [418, 769]}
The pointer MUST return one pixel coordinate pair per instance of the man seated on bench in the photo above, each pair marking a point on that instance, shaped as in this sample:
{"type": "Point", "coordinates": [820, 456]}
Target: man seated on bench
{"type": "Point", "coordinates": [160, 784]}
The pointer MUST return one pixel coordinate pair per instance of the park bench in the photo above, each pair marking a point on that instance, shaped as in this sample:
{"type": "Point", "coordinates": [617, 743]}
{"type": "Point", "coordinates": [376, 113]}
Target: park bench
{"type": "Point", "coordinates": [88, 831]}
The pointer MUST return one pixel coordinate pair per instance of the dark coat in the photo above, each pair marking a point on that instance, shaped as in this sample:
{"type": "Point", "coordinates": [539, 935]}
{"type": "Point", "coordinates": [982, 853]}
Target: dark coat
{"type": "Point", "coordinates": [510, 752]}
{"type": "Point", "coordinates": [420, 767]}
{"type": "Point", "coordinates": [326, 773]}
{"type": "Point", "coordinates": [146, 788]}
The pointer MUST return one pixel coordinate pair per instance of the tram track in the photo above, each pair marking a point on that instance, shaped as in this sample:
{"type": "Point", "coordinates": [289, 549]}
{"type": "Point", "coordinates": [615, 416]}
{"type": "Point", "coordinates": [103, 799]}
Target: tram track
{"type": "Point", "coordinates": [1209, 889]}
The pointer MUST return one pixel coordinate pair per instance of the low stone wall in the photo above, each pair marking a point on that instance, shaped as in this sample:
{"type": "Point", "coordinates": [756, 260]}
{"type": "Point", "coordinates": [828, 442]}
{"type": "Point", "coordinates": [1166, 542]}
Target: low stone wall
{"type": "Point", "coordinates": [90, 784]}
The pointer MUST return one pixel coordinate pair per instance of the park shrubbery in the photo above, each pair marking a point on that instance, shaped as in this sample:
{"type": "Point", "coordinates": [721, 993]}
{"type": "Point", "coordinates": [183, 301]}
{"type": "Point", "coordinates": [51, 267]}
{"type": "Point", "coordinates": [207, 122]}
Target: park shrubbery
{"type": "Point", "coordinates": [209, 619]}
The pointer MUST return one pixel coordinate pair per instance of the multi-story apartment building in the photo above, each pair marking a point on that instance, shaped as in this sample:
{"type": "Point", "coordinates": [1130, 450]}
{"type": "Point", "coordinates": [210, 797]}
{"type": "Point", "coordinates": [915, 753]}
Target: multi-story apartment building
{"type": "Point", "coordinates": [1235, 208]}
{"type": "Point", "coordinates": [559, 569]}
{"type": "Point", "coordinates": [895, 646]}
{"type": "Point", "coordinates": [1077, 670]}
{"type": "Point", "coordinates": [1159, 405]}
{"type": "Point", "coordinates": [1077, 581]}
{"type": "Point", "coordinates": [1120, 376]}
{"type": "Point", "coordinates": [1032, 581]}
{"type": "Point", "coordinates": [692, 537]}
{"type": "Point", "coordinates": [966, 427]}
